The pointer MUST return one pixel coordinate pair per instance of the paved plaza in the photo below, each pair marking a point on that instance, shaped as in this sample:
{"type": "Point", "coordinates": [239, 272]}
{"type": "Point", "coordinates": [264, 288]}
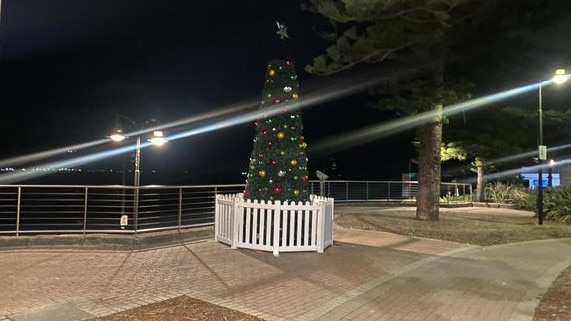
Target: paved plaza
{"type": "Point", "coordinates": [366, 275]}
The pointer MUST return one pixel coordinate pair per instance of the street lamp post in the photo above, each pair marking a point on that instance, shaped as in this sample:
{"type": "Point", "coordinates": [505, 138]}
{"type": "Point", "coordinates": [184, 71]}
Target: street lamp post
{"type": "Point", "coordinates": [559, 78]}
{"type": "Point", "coordinates": [158, 139]}
{"type": "Point", "coordinates": [542, 156]}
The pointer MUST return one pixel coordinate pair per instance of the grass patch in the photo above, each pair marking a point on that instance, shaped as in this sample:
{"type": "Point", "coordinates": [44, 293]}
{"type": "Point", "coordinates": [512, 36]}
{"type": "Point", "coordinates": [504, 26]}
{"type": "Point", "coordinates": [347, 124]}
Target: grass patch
{"type": "Point", "coordinates": [482, 228]}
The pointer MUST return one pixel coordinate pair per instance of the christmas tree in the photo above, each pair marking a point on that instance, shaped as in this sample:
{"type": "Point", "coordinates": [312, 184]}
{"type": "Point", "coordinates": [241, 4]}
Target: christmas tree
{"type": "Point", "coordinates": [278, 165]}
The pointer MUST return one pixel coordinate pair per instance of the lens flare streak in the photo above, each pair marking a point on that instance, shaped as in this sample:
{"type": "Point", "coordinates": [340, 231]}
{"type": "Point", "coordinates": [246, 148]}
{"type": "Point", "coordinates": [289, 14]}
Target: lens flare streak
{"type": "Point", "coordinates": [371, 133]}
{"type": "Point", "coordinates": [330, 93]}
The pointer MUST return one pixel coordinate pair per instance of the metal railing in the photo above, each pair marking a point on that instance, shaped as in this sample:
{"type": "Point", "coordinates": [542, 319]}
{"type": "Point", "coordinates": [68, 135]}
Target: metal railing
{"type": "Point", "coordinates": [76, 209]}
{"type": "Point", "coordinates": [386, 191]}
{"type": "Point", "coordinates": [41, 209]}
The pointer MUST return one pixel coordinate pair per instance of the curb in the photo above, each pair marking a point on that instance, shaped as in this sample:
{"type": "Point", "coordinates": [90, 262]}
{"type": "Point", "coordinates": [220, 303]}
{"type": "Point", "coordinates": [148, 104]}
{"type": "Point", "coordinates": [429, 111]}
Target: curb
{"type": "Point", "coordinates": [107, 241]}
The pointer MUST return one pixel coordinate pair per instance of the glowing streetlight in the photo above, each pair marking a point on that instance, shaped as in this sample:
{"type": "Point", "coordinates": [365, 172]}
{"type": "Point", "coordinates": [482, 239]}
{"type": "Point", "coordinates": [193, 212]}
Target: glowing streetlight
{"type": "Point", "coordinates": [560, 77]}
{"type": "Point", "coordinates": [550, 173]}
{"type": "Point", "coordinates": [157, 138]}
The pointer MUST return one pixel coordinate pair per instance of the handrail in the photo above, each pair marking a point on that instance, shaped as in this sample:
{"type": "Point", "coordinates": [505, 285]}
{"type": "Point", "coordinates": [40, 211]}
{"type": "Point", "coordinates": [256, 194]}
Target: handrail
{"type": "Point", "coordinates": [85, 209]}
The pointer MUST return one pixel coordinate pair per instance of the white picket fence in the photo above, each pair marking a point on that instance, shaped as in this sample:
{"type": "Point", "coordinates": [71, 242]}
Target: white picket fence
{"type": "Point", "coordinates": [274, 226]}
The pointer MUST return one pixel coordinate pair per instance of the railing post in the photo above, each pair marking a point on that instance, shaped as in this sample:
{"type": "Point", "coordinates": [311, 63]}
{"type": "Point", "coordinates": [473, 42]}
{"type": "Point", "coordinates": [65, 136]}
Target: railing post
{"type": "Point", "coordinates": [136, 209]}
{"type": "Point", "coordinates": [347, 192]}
{"type": "Point", "coordinates": [85, 211]}
{"type": "Point", "coordinates": [18, 210]}
{"type": "Point", "coordinates": [179, 209]}
{"type": "Point", "coordinates": [389, 191]}
{"type": "Point", "coordinates": [277, 219]}
{"type": "Point", "coordinates": [367, 191]}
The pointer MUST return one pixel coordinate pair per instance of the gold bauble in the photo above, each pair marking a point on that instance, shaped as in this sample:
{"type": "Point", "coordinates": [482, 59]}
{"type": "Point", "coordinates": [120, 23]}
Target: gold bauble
{"type": "Point", "coordinates": [281, 135]}
{"type": "Point", "coordinates": [262, 173]}
{"type": "Point", "coordinates": [293, 162]}
{"type": "Point", "coordinates": [271, 72]}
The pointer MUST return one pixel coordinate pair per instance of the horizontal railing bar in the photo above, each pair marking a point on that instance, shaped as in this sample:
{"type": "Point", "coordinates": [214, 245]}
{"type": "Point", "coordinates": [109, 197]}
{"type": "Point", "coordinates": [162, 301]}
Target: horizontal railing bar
{"type": "Point", "coordinates": [83, 208]}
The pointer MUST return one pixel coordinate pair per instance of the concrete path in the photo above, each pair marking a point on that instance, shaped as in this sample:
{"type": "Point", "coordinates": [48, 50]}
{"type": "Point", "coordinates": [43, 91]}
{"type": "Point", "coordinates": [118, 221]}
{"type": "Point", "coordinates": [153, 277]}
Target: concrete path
{"type": "Point", "coordinates": [365, 276]}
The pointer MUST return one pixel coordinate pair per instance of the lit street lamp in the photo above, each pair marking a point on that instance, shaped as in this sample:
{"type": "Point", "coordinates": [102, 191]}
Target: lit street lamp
{"type": "Point", "coordinates": [559, 78]}
{"type": "Point", "coordinates": [550, 173]}
{"type": "Point", "coordinates": [157, 138]}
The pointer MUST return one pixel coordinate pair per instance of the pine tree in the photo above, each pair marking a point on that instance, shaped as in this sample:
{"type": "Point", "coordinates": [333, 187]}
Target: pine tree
{"type": "Point", "coordinates": [446, 42]}
{"type": "Point", "coordinates": [278, 165]}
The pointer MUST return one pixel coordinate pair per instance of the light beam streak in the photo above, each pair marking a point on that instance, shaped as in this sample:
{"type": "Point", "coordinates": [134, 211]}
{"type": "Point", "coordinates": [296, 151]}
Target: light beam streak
{"type": "Point", "coordinates": [14, 161]}
{"type": "Point", "coordinates": [22, 175]}
{"type": "Point", "coordinates": [374, 132]}
{"type": "Point", "coordinates": [528, 154]}
{"type": "Point", "coordinates": [330, 93]}
{"type": "Point", "coordinates": [324, 95]}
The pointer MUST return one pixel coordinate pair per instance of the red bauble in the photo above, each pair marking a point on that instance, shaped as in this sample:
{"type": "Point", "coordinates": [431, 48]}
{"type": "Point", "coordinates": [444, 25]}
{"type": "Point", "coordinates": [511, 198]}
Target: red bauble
{"type": "Point", "coordinates": [270, 144]}
{"type": "Point", "coordinates": [304, 178]}
{"type": "Point", "coordinates": [277, 190]}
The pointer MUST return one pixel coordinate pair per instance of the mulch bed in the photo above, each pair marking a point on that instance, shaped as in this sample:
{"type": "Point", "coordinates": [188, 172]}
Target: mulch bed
{"type": "Point", "coordinates": [555, 304]}
{"type": "Point", "coordinates": [182, 308]}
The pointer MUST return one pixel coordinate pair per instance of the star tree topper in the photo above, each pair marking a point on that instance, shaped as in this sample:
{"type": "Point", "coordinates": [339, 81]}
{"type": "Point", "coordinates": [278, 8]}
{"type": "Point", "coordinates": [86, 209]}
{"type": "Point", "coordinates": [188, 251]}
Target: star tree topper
{"type": "Point", "coordinates": [282, 30]}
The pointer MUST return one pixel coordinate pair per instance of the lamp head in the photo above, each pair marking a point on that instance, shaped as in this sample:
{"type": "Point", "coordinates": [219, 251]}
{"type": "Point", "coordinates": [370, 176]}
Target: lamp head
{"type": "Point", "coordinates": [560, 76]}
{"type": "Point", "coordinates": [118, 135]}
{"type": "Point", "coordinates": [158, 138]}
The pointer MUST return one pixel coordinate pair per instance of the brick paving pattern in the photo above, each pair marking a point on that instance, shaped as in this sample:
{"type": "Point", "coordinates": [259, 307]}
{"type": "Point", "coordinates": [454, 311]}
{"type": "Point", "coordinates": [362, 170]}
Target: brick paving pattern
{"type": "Point", "coordinates": [366, 276]}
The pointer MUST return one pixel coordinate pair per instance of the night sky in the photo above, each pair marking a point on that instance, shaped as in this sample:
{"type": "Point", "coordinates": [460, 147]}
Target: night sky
{"type": "Point", "coordinates": [69, 67]}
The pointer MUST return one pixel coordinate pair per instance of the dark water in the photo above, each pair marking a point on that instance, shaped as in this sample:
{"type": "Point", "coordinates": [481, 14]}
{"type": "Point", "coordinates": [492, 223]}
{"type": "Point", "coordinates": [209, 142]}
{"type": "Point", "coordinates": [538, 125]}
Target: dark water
{"type": "Point", "coordinates": [120, 178]}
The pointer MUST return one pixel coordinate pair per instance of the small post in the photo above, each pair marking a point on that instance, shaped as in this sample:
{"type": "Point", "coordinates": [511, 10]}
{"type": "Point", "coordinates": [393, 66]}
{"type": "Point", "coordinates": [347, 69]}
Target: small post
{"type": "Point", "coordinates": [321, 226]}
{"type": "Point", "coordinates": [19, 210]}
{"type": "Point", "coordinates": [180, 210]}
{"type": "Point", "coordinates": [277, 218]}
{"type": "Point", "coordinates": [216, 218]}
{"type": "Point", "coordinates": [85, 211]}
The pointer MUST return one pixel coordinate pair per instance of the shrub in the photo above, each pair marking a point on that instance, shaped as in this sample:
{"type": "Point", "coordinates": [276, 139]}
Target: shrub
{"type": "Point", "coordinates": [525, 199]}
{"type": "Point", "coordinates": [510, 194]}
{"type": "Point", "coordinates": [451, 198]}
{"type": "Point", "coordinates": [499, 193]}
{"type": "Point", "coordinates": [557, 204]}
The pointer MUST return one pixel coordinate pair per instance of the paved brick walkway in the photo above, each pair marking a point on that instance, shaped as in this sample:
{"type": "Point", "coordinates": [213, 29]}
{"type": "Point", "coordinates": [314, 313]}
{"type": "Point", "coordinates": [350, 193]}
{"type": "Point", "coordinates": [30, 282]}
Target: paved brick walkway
{"type": "Point", "coordinates": [365, 276]}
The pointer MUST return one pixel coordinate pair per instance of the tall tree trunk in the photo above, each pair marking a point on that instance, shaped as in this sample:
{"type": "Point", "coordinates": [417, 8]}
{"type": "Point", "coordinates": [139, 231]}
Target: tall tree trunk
{"type": "Point", "coordinates": [480, 188]}
{"type": "Point", "coordinates": [430, 137]}
{"type": "Point", "coordinates": [428, 197]}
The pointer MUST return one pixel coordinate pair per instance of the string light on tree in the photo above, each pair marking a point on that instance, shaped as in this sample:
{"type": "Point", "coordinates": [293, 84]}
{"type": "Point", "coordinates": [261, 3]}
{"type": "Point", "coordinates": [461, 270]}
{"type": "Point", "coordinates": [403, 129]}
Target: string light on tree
{"type": "Point", "coordinates": [278, 166]}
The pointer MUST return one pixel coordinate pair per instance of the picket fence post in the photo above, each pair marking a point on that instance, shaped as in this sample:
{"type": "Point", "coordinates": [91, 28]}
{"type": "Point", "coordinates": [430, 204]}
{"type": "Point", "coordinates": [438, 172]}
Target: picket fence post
{"type": "Point", "coordinates": [217, 218]}
{"type": "Point", "coordinates": [237, 222]}
{"type": "Point", "coordinates": [321, 227]}
{"type": "Point", "coordinates": [276, 217]}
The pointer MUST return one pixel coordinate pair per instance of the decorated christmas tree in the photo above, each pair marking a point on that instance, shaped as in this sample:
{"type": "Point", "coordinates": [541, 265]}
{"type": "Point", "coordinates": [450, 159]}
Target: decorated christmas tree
{"type": "Point", "coordinates": [278, 165]}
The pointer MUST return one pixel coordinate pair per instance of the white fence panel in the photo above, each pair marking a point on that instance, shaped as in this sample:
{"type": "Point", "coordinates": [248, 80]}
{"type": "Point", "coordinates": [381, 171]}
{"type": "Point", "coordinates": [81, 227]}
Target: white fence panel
{"type": "Point", "coordinates": [224, 219]}
{"type": "Point", "coordinates": [274, 226]}
{"type": "Point", "coordinates": [327, 233]}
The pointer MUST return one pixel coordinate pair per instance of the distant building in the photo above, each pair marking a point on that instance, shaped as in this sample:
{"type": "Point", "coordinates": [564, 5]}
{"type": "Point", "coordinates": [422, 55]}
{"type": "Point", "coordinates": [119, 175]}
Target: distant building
{"type": "Point", "coordinates": [531, 177]}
